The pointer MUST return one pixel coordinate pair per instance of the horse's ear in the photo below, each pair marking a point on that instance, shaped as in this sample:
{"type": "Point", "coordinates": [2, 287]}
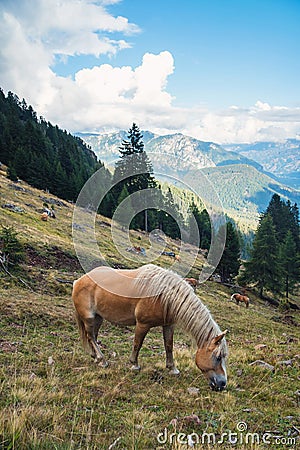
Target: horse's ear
{"type": "Point", "coordinates": [217, 340]}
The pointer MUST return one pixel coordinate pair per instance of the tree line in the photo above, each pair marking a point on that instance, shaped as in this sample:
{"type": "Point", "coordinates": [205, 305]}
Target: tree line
{"type": "Point", "coordinates": [274, 263]}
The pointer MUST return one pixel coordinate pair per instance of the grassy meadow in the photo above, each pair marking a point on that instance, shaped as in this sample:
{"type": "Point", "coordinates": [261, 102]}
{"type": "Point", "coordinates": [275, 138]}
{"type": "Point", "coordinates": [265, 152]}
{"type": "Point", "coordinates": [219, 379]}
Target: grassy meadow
{"type": "Point", "coordinates": [53, 396]}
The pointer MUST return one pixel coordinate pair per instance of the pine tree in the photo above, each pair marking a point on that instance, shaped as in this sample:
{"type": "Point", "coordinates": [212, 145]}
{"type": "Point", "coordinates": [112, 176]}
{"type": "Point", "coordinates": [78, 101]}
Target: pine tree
{"type": "Point", "coordinates": [285, 218]}
{"type": "Point", "coordinates": [205, 236]}
{"type": "Point", "coordinates": [134, 144]}
{"type": "Point", "coordinates": [125, 212]}
{"type": "Point", "coordinates": [290, 264]}
{"type": "Point", "coordinates": [134, 170]}
{"type": "Point", "coordinates": [203, 224]}
{"type": "Point", "coordinates": [263, 268]}
{"type": "Point", "coordinates": [60, 178]}
{"type": "Point", "coordinates": [170, 218]}
{"type": "Point", "coordinates": [229, 264]}
{"type": "Point", "coordinates": [193, 224]}
{"type": "Point", "coordinates": [134, 167]}
{"type": "Point", "coordinates": [108, 205]}
{"type": "Point", "coordinates": [295, 227]}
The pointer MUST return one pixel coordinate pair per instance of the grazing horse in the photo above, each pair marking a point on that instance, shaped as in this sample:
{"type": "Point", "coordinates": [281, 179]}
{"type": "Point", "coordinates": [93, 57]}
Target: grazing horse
{"type": "Point", "coordinates": [241, 298]}
{"type": "Point", "coordinates": [149, 297]}
{"type": "Point", "coordinates": [192, 282]}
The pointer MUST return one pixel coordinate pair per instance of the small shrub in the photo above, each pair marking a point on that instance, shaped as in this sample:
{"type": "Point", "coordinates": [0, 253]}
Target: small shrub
{"type": "Point", "coordinates": [284, 305]}
{"type": "Point", "coordinates": [11, 249]}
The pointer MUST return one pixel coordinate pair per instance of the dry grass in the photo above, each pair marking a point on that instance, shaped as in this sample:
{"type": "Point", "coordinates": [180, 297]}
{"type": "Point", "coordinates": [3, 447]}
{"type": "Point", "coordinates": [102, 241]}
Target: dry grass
{"type": "Point", "coordinates": [52, 395]}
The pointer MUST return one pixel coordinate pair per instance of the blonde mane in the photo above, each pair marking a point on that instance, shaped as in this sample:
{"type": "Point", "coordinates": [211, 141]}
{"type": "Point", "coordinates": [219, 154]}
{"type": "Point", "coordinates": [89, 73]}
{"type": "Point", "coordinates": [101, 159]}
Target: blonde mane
{"type": "Point", "coordinates": [179, 301]}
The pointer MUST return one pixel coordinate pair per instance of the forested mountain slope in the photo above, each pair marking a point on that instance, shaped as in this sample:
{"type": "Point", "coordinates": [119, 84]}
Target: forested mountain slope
{"type": "Point", "coordinates": [40, 153]}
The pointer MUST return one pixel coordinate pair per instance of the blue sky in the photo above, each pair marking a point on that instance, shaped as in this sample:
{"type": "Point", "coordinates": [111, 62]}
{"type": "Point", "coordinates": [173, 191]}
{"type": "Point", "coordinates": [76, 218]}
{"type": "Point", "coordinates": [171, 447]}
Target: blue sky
{"type": "Point", "coordinates": [222, 70]}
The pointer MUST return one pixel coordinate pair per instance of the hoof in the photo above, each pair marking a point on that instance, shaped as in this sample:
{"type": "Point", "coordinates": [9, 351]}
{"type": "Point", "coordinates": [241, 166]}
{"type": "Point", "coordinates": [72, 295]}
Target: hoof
{"type": "Point", "coordinates": [174, 371]}
{"type": "Point", "coordinates": [101, 362]}
{"type": "Point", "coordinates": [135, 368]}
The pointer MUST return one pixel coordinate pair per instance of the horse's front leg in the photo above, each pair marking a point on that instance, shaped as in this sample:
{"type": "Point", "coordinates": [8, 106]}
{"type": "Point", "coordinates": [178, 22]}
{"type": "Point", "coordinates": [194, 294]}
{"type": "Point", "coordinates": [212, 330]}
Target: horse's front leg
{"type": "Point", "coordinates": [168, 332]}
{"type": "Point", "coordinates": [140, 332]}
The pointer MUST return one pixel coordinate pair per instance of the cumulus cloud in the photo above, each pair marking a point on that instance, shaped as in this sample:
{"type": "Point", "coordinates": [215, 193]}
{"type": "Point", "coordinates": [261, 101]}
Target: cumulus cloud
{"type": "Point", "coordinates": [34, 33]}
{"type": "Point", "coordinates": [68, 27]}
{"type": "Point", "coordinates": [104, 97]}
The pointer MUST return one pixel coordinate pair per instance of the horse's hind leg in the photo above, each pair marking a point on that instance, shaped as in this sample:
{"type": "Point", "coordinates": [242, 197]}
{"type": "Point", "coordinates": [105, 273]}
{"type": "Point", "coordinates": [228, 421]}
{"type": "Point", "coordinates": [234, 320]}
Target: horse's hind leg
{"type": "Point", "coordinates": [168, 332]}
{"type": "Point", "coordinates": [92, 327]}
{"type": "Point", "coordinates": [140, 332]}
{"type": "Point", "coordinates": [97, 324]}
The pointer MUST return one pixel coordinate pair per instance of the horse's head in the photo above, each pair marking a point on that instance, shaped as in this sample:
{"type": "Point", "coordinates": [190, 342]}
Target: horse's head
{"type": "Point", "coordinates": [211, 359]}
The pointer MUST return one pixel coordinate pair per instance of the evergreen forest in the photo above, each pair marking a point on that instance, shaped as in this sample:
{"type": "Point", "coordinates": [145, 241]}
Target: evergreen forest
{"type": "Point", "coordinates": [40, 153]}
{"type": "Point", "coordinates": [274, 263]}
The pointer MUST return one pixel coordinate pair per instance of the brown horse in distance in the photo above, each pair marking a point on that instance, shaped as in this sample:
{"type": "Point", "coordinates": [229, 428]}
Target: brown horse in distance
{"type": "Point", "coordinates": [241, 298]}
{"type": "Point", "coordinates": [192, 282]}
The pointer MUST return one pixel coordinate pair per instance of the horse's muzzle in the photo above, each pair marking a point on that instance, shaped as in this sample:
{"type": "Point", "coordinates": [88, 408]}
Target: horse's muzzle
{"type": "Point", "coordinates": [217, 383]}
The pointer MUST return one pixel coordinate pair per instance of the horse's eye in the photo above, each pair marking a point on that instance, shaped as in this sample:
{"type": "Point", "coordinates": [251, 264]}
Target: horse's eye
{"type": "Point", "coordinates": [219, 358]}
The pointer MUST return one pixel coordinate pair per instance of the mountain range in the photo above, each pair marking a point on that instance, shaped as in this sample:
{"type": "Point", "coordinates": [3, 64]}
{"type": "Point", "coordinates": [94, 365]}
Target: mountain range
{"type": "Point", "coordinates": [190, 151]}
{"type": "Point", "coordinates": [244, 185]}
{"type": "Point", "coordinates": [281, 159]}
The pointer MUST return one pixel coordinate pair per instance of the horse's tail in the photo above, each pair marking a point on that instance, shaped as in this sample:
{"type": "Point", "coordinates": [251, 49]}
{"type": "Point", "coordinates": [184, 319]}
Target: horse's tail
{"type": "Point", "coordinates": [82, 333]}
{"type": "Point", "coordinates": [81, 328]}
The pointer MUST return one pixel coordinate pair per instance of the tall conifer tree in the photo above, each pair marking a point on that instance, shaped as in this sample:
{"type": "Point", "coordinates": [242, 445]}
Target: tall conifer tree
{"type": "Point", "coordinates": [134, 171]}
{"type": "Point", "coordinates": [229, 264]}
{"type": "Point", "coordinates": [290, 263]}
{"type": "Point", "coordinates": [263, 268]}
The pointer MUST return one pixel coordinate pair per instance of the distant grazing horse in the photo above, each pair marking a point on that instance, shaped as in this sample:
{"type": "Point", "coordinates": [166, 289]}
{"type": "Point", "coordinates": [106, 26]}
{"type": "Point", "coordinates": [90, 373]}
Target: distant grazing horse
{"type": "Point", "coordinates": [149, 297]}
{"type": "Point", "coordinates": [193, 282]}
{"type": "Point", "coordinates": [241, 298]}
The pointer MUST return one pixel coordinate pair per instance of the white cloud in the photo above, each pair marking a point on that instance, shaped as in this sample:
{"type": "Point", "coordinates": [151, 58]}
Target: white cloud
{"type": "Point", "coordinates": [260, 122]}
{"type": "Point", "coordinates": [151, 80]}
{"type": "Point", "coordinates": [262, 106]}
{"type": "Point", "coordinates": [34, 34]}
{"type": "Point", "coordinates": [107, 96]}
{"type": "Point", "coordinates": [69, 27]}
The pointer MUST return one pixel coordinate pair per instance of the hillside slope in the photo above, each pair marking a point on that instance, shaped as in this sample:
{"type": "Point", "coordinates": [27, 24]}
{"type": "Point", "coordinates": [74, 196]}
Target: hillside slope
{"type": "Point", "coordinates": [245, 192]}
{"type": "Point", "coordinates": [21, 208]}
{"type": "Point", "coordinates": [54, 396]}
